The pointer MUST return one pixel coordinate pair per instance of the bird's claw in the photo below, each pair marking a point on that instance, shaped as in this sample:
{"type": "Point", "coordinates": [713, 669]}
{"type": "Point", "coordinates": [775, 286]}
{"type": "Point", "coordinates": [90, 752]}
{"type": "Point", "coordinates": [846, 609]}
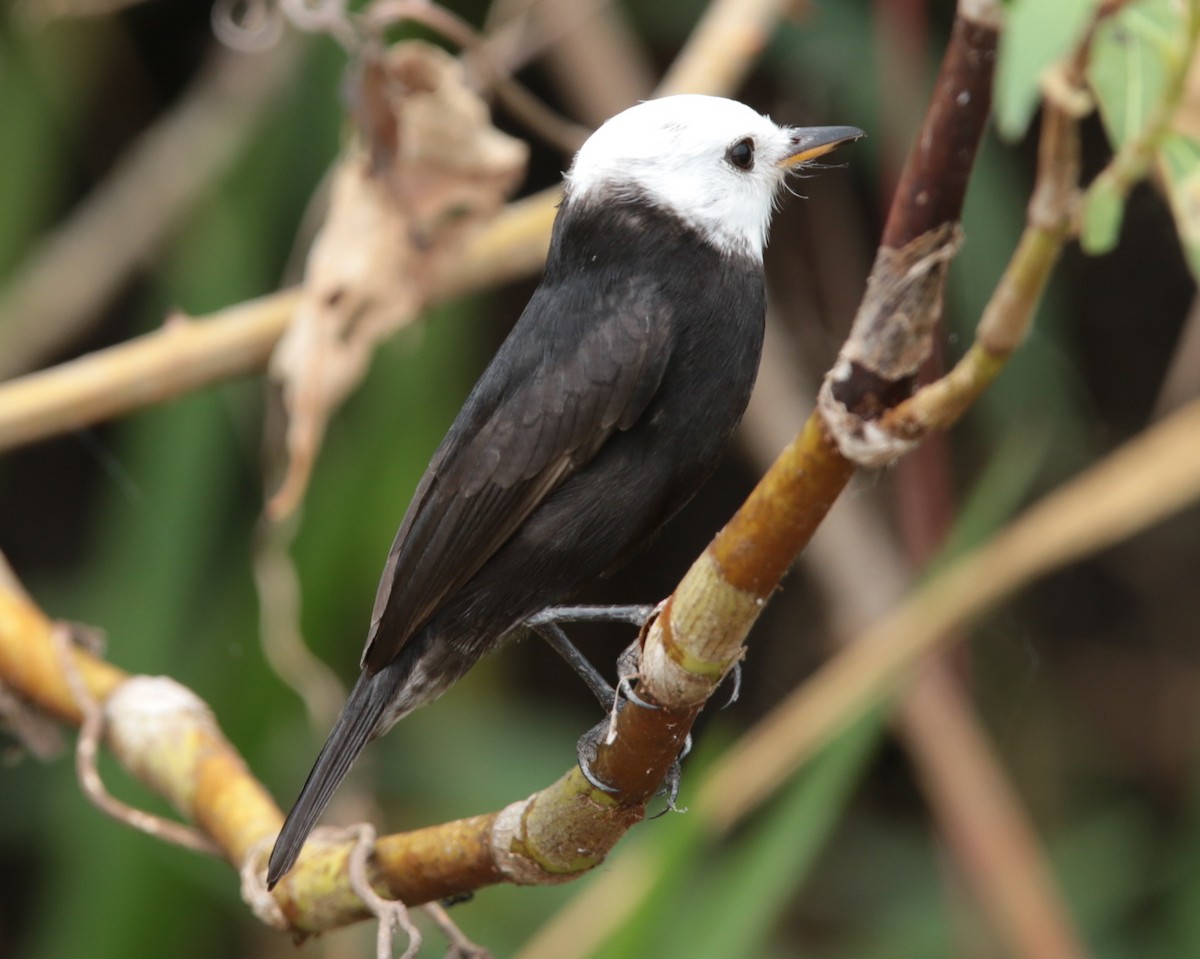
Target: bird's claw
{"type": "Point", "coordinates": [736, 672]}
{"type": "Point", "coordinates": [585, 751]}
{"type": "Point", "coordinates": [627, 672]}
{"type": "Point", "coordinates": [670, 786]}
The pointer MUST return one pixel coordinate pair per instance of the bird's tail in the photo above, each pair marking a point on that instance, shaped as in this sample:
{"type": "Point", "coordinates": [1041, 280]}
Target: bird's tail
{"type": "Point", "coordinates": [354, 728]}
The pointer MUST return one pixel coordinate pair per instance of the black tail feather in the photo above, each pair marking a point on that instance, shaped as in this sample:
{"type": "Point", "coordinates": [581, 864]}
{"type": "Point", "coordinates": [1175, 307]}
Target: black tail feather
{"type": "Point", "coordinates": [353, 730]}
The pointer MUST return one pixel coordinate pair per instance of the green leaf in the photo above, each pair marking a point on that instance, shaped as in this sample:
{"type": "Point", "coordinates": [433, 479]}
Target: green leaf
{"type": "Point", "coordinates": [1179, 162]}
{"type": "Point", "coordinates": [1036, 34]}
{"type": "Point", "coordinates": [1103, 210]}
{"type": "Point", "coordinates": [1133, 56]}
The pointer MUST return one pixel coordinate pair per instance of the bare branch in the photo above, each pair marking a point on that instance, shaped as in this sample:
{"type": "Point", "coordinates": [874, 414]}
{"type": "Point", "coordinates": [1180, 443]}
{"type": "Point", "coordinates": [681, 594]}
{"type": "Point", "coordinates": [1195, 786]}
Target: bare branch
{"type": "Point", "coordinates": [893, 332]}
{"type": "Point", "coordinates": [167, 739]}
{"type": "Point", "coordinates": [181, 356]}
{"type": "Point", "coordinates": [1010, 310]}
{"type": "Point", "coordinates": [1150, 477]}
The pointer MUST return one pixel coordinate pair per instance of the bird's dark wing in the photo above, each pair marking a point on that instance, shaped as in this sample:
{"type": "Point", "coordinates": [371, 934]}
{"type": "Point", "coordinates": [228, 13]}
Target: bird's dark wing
{"type": "Point", "coordinates": [558, 388]}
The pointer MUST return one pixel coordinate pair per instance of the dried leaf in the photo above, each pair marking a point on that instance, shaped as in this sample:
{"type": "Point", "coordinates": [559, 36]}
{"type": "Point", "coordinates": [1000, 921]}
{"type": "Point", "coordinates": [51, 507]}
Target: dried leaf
{"type": "Point", "coordinates": [425, 168]}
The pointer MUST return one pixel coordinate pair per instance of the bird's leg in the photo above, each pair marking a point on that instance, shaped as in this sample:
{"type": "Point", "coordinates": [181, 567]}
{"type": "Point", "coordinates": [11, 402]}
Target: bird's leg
{"type": "Point", "coordinates": [605, 731]}
{"type": "Point", "coordinates": [670, 786]}
{"type": "Point", "coordinates": [546, 624]}
{"type": "Point", "coordinates": [553, 634]}
{"type": "Point", "coordinates": [633, 615]}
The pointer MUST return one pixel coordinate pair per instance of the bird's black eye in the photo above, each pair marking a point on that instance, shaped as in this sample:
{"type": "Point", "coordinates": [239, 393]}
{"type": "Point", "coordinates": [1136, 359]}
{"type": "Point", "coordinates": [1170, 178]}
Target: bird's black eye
{"type": "Point", "coordinates": [741, 154]}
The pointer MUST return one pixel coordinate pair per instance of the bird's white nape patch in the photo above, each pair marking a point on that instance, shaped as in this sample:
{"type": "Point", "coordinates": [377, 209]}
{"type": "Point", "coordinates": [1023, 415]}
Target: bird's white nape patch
{"type": "Point", "coordinates": [676, 152]}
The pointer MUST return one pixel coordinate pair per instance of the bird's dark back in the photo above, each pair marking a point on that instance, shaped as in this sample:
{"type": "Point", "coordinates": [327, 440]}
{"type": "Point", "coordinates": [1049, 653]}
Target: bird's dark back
{"type": "Point", "coordinates": [714, 302]}
{"type": "Point", "coordinates": [683, 322]}
{"type": "Point", "coordinates": [713, 306]}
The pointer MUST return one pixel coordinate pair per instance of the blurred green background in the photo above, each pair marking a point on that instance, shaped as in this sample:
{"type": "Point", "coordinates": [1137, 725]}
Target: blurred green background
{"type": "Point", "coordinates": [1088, 683]}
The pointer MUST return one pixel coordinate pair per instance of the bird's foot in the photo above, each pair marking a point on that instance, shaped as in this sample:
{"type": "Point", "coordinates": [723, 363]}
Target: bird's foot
{"type": "Point", "coordinates": [628, 664]}
{"type": "Point", "coordinates": [586, 754]}
{"type": "Point", "coordinates": [556, 638]}
{"type": "Point", "coordinates": [670, 786]}
{"type": "Point", "coordinates": [547, 625]}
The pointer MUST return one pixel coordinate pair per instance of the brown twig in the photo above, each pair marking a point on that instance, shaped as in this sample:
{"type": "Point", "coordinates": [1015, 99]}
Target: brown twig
{"type": "Point", "coordinates": [893, 333]}
{"type": "Point", "coordinates": [1147, 479]}
{"type": "Point", "coordinates": [974, 805]}
{"type": "Point", "coordinates": [1009, 314]}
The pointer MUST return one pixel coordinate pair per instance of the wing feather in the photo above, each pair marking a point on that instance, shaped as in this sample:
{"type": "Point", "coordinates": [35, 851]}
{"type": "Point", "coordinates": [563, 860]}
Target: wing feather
{"type": "Point", "coordinates": [557, 389]}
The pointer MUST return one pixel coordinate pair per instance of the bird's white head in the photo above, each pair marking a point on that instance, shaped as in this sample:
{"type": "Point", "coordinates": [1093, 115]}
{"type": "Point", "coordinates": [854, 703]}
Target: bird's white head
{"type": "Point", "coordinates": [715, 163]}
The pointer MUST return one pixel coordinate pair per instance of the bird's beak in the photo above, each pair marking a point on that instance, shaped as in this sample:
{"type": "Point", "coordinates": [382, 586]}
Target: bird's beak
{"type": "Point", "coordinates": [808, 143]}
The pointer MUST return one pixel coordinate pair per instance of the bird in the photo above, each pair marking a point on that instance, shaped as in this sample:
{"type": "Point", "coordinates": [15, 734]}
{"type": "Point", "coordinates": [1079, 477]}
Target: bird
{"type": "Point", "coordinates": [602, 412]}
